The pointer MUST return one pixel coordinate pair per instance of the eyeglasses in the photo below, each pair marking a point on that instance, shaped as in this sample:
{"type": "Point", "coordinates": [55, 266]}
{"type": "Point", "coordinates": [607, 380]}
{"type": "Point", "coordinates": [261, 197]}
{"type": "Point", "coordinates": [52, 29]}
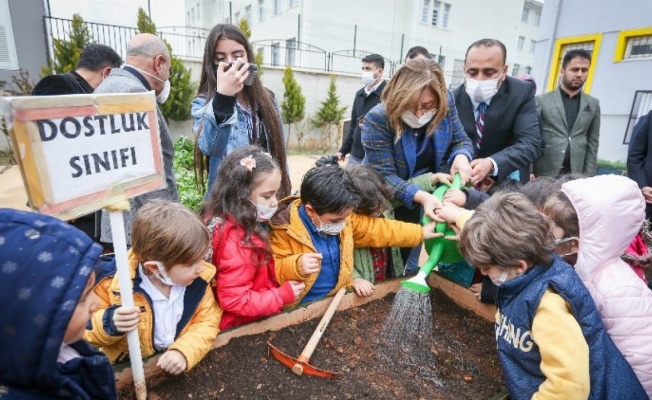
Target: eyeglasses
{"type": "Point", "coordinates": [561, 241]}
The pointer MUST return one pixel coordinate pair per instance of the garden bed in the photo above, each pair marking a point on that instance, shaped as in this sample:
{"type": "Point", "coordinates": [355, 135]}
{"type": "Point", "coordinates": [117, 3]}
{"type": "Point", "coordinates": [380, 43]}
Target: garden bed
{"type": "Point", "coordinates": [462, 351]}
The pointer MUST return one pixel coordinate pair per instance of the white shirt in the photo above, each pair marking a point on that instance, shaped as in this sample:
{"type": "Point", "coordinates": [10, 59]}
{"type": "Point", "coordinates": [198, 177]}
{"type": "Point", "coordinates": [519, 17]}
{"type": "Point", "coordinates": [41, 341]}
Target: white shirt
{"type": "Point", "coordinates": [368, 91]}
{"type": "Point", "coordinates": [167, 311]}
{"type": "Point", "coordinates": [66, 353]}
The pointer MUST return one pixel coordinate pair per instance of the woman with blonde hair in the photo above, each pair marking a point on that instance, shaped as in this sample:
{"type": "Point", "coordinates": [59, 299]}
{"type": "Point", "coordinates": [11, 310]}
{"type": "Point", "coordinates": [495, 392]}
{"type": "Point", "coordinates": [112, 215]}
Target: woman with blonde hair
{"type": "Point", "coordinates": [416, 131]}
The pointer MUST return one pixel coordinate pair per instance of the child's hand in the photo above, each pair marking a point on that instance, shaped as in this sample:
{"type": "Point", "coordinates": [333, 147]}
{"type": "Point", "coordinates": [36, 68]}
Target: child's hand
{"type": "Point", "coordinates": [450, 212]}
{"type": "Point", "coordinates": [297, 287]}
{"type": "Point", "coordinates": [455, 196]}
{"type": "Point", "coordinates": [440, 177]}
{"type": "Point", "coordinates": [363, 287]}
{"type": "Point", "coordinates": [310, 263]}
{"type": "Point", "coordinates": [126, 319]}
{"type": "Point", "coordinates": [429, 231]}
{"type": "Point", "coordinates": [173, 362]}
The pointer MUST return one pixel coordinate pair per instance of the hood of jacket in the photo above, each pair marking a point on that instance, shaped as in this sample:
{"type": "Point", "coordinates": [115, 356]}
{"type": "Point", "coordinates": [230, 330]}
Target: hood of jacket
{"type": "Point", "coordinates": [610, 211]}
{"type": "Point", "coordinates": [45, 265]}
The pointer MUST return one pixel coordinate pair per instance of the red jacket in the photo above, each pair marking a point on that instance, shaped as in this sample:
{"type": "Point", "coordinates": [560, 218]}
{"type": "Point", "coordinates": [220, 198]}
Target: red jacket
{"type": "Point", "coordinates": [246, 291]}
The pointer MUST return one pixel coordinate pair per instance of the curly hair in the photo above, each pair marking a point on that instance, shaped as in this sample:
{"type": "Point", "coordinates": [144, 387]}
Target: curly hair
{"type": "Point", "coordinates": [402, 92]}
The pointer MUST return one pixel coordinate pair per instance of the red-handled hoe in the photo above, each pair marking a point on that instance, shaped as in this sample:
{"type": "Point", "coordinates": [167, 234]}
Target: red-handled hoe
{"type": "Point", "coordinates": [300, 365]}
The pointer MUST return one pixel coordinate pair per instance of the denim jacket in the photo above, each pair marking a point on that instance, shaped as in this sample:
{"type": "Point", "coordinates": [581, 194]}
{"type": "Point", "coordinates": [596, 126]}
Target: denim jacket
{"type": "Point", "coordinates": [218, 139]}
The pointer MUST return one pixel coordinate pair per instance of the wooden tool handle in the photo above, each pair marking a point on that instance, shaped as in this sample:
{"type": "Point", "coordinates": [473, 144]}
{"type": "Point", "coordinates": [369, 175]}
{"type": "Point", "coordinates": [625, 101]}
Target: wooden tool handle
{"type": "Point", "coordinates": [316, 336]}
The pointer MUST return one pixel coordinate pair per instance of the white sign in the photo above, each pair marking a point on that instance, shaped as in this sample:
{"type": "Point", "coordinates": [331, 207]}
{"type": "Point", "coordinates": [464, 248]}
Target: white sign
{"type": "Point", "coordinates": [80, 153]}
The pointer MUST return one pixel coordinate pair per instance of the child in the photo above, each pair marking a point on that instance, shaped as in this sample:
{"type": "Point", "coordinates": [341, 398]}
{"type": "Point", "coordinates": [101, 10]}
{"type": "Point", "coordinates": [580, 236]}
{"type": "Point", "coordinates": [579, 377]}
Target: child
{"type": "Point", "coordinates": [241, 204]}
{"type": "Point", "coordinates": [551, 341]}
{"type": "Point", "coordinates": [592, 231]}
{"type": "Point", "coordinates": [313, 237]}
{"type": "Point", "coordinates": [175, 311]}
{"type": "Point", "coordinates": [46, 280]}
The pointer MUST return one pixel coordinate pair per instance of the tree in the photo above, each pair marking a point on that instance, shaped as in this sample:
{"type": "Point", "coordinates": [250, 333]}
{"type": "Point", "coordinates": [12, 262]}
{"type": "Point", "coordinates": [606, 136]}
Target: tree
{"type": "Point", "coordinates": [67, 52]}
{"type": "Point", "coordinates": [329, 114]}
{"type": "Point", "coordinates": [243, 24]}
{"type": "Point", "coordinates": [182, 90]}
{"type": "Point", "coordinates": [294, 103]}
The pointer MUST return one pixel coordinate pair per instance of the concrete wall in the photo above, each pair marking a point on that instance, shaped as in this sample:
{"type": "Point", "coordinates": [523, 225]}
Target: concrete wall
{"type": "Point", "coordinates": [614, 83]}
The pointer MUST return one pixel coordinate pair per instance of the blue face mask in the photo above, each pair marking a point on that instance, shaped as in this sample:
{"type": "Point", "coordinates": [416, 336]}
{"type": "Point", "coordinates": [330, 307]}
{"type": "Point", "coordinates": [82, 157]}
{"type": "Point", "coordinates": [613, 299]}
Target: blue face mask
{"type": "Point", "coordinates": [330, 229]}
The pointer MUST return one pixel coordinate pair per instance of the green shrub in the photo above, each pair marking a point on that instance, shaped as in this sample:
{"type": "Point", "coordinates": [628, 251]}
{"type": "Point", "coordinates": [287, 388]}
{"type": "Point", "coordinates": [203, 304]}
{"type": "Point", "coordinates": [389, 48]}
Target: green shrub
{"type": "Point", "coordinates": [189, 193]}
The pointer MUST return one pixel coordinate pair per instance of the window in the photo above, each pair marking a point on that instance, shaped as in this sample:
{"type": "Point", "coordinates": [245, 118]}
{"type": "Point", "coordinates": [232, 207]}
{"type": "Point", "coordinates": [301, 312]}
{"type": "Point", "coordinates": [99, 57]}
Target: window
{"type": "Point", "coordinates": [445, 16]}
{"type": "Point", "coordinates": [192, 14]}
{"type": "Point", "coordinates": [290, 47]}
{"type": "Point", "coordinates": [591, 43]}
{"type": "Point", "coordinates": [640, 107]}
{"type": "Point", "coordinates": [526, 13]}
{"type": "Point", "coordinates": [458, 73]}
{"type": "Point", "coordinates": [516, 69]}
{"type": "Point", "coordinates": [237, 18]}
{"type": "Point", "coordinates": [294, 3]}
{"type": "Point", "coordinates": [435, 13]}
{"type": "Point", "coordinates": [8, 57]}
{"type": "Point", "coordinates": [425, 11]}
{"type": "Point", "coordinates": [537, 18]}
{"type": "Point", "coordinates": [276, 52]}
{"type": "Point", "coordinates": [519, 46]}
{"type": "Point", "coordinates": [639, 47]}
{"type": "Point", "coordinates": [261, 10]}
{"type": "Point", "coordinates": [533, 43]}
{"type": "Point", "coordinates": [528, 70]}
{"type": "Point", "coordinates": [198, 11]}
{"type": "Point", "coordinates": [277, 7]}
{"type": "Point", "coordinates": [247, 14]}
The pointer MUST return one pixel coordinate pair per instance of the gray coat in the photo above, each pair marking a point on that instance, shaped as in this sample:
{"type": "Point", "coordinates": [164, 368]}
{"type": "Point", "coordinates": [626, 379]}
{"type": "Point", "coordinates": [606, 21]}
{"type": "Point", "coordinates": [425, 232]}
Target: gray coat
{"type": "Point", "coordinates": [584, 137]}
{"type": "Point", "coordinates": [121, 81]}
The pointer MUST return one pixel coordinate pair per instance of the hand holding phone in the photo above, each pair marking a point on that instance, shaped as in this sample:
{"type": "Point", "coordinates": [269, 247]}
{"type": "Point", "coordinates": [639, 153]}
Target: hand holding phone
{"type": "Point", "coordinates": [231, 77]}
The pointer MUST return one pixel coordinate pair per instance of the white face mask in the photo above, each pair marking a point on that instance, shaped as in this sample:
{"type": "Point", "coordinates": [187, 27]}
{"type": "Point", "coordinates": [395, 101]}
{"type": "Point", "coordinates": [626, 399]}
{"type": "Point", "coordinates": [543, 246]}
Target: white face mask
{"type": "Point", "coordinates": [165, 93]}
{"type": "Point", "coordinates": [263, 212]}
{"type": "Point", "coordinates": [368, 77]}
{"type": "Point", "coordinates": [482, 91]}
{"type": "Point", "coordinates": [501, 279]}
{"type": "Point", "coordinates": [330, 229]}
{"type": "Point", "coordinates": [412, 121]}
{"type": "Point", "coordinates": [163, 275]}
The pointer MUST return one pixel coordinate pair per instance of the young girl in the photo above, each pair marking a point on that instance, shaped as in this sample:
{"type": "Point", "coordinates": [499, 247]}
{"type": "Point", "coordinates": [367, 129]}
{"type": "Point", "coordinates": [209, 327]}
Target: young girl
{"type": "Point", "coordinates": [241, 203]}
{"type": "Point", "coordinates": [232, 108]}
{"type": "Point", "coordinates": [550, 339]}
{"type": "Point", "coordinates": [592, 231]}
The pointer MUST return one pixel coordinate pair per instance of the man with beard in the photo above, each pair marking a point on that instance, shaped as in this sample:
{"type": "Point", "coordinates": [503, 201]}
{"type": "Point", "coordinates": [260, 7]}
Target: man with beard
{"type": "Point", "coordinates": [570, 121]}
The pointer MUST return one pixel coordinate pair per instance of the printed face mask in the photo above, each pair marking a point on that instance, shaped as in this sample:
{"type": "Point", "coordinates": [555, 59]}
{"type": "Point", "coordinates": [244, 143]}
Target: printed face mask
{"type": "Point", "coordinates": [413, 122]}
{"type": "Point", "coordinates": [263, 212]}
{"type": "Point", "coordinates": [482, 91]}
{"type": "Point", "coordinates": [330, 229]}
{"type": "Point", "coordinates": [501, 279]}
{"type": "Point", "coordinates": [368, 77]}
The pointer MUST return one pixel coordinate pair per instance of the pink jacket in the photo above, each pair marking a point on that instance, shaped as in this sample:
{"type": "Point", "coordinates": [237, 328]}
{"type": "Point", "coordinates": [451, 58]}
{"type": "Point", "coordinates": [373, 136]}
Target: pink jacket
{"type": "Point", "coordinates": [610, 211]}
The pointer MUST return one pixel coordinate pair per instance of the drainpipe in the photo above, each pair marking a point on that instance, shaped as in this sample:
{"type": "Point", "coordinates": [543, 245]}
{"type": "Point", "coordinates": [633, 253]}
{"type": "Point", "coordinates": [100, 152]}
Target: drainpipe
{"type": "Point", "coordinates": [551, 44]}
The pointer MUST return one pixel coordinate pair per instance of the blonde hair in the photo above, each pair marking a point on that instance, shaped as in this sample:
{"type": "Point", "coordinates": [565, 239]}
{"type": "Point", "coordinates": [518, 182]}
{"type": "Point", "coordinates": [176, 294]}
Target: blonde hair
{"type": "Point", "coordinates": [168, 232]}
{"type": "Point", "coordinates": [402, 92]}
{"type": "Point", "coordinates": [505, 229]}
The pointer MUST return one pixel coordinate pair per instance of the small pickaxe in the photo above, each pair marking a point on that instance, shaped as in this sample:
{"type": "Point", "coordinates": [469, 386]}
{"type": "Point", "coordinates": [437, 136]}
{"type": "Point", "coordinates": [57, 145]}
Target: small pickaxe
{"type": "Point", "coordinates": [300, 365]}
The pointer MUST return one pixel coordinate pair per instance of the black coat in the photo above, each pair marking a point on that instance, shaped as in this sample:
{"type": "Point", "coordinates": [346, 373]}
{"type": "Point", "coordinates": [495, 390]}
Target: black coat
{"type": "Point", "coordinates": [352, 142]}
{"type": "Point", "coordinates": [639, 155]}
{"type": "Point", "coordinates": [68, 83]}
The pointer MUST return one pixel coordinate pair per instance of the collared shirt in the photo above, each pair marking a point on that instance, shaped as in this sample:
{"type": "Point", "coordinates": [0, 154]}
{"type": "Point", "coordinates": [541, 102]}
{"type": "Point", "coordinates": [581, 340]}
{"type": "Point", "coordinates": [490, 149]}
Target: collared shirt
{"type": "Point", "coordinates": [329, 247]}
{"type": "Point", "coordinates": [167, 311]}
{"type": "Point", "coordinates": [571, 107]}
{"type": "Point", "coordinates": [368, 91]}
{"type": "Point", "coordinates": [476, 113]}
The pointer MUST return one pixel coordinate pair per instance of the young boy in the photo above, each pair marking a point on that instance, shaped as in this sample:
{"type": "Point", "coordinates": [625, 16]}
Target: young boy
{"type": "Point", "coordinates": [313, 237]}
{"type": "Point", "coordinates": [551, 341]}
{"type": "Point", "coordinates": [175, 310]}
{"type": "Point", "coordinates": [46, 280]}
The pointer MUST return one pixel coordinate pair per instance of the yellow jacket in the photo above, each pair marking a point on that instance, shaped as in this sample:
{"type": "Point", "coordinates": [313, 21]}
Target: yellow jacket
{"type": "Point", "coordinates": [199, 324]}
{"type": "Point", "coordinates": [290, 240]}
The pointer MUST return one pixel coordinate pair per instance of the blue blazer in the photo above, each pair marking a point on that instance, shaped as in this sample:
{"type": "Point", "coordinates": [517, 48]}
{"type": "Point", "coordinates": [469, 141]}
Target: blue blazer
{"type": "Point", "coordinates": [395, 159]}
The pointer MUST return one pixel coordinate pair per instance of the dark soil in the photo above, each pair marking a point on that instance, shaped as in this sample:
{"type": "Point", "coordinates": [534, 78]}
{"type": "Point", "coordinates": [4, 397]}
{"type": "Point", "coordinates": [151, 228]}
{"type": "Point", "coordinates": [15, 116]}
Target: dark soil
{"type": "Point", "coordinates": [463, 347]}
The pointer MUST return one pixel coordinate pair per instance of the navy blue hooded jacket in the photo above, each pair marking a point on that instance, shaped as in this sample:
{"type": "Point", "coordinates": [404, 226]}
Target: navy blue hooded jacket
{"type": "Point", "coordinates": [45, 265]}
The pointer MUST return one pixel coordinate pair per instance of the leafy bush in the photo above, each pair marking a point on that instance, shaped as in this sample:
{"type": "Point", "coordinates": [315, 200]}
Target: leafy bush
{"type": "Point", "coordinates": [189, 193]}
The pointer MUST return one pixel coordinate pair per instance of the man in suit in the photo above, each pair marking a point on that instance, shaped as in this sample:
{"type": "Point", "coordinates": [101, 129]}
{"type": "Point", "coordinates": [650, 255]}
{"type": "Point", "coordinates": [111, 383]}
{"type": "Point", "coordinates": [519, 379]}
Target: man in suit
{"type": "Point", "coordinates": [570, 121]}
{"type": "Point", "coordinates": [147, 67]}
{"type": "Point", "coordinates": [95, 64]}
{"type": "Point", "coordinates": [365, 99]}
{"type": "Point", "coordinates": [639, 159]}
{"type": "Point", "coordinates": [499, 115]}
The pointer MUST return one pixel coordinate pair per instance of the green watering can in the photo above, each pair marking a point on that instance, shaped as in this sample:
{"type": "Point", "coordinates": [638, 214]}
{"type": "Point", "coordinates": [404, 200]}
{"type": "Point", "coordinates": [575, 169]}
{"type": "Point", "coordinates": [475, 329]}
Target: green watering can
{"type": "Point", "coordinates": [439, 249]}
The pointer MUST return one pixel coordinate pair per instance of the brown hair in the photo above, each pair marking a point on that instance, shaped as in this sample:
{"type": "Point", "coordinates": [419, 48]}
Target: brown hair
{"type": "Point", "coordinates": [375, 194]}
{"type": "Point", "coordinates": [561, 211]}
{"type": "Point", "coordinates": [402, 92]}
{"type": "Point", "coordinates": [261, 101]}
{"type": "Point", "coordinates": [505, 229]}
{"type": "Point", "coordinates": [168, 232]}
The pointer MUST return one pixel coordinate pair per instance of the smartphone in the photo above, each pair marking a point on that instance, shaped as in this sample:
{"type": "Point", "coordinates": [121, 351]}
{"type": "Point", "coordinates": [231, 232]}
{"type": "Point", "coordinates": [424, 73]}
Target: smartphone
{"type": "Point", "coordinates": [253, 69]}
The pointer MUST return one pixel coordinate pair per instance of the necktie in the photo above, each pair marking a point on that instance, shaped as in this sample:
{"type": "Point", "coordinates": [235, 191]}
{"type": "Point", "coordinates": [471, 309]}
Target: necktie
{"type": "Point", "coordinates": [479, 123]}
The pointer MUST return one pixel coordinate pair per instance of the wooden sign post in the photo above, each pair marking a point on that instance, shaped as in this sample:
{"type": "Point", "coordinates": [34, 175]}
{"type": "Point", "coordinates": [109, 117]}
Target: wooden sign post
{"type": "Point", "coordinates": [80, 153]}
